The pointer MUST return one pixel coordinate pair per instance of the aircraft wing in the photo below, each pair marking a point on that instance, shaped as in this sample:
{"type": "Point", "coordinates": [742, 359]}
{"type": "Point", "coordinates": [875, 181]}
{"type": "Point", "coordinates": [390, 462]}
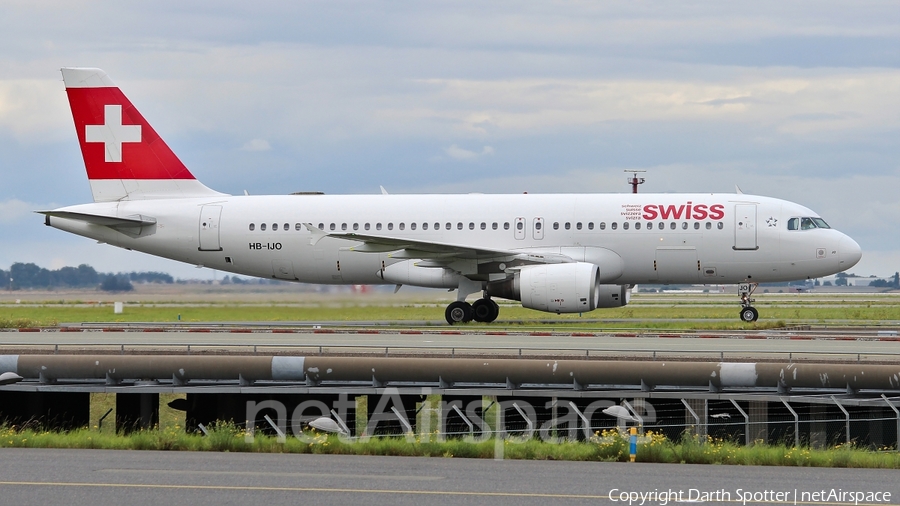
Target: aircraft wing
{"type": "Point", "coordinates": [438, 252]}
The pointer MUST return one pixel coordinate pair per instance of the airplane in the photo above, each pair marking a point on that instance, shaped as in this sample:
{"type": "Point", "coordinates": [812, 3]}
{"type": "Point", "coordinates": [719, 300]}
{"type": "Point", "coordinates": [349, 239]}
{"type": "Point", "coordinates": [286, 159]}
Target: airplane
{"type": "Point", "coordinates": [558, 253]}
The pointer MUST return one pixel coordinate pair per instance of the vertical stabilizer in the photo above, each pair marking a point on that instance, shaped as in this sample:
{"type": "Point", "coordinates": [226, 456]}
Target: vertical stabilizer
{"type": "Point", "coordinates": [124, 157]}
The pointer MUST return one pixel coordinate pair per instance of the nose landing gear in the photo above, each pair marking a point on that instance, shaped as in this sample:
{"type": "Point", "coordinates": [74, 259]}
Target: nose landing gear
{"type": "Point", "coordinates": [748, 312]}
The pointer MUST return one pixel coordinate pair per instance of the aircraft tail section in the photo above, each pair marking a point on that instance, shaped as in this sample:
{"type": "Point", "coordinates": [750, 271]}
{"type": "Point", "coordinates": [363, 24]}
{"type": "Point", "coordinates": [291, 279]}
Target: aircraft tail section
{"type": "Point", "coordinates": [124, 157]}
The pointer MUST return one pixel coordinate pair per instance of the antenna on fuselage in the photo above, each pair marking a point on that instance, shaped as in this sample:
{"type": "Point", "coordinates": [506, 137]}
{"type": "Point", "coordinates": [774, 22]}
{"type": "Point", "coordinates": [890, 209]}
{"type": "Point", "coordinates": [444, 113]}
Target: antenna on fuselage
{"type": "Point", "coordinates": [634, 180]}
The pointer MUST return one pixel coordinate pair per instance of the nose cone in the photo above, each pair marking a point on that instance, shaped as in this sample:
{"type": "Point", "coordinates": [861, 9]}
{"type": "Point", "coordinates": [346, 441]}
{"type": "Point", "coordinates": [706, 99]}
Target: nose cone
{"type": "Point", "coordinates": [849, 253]}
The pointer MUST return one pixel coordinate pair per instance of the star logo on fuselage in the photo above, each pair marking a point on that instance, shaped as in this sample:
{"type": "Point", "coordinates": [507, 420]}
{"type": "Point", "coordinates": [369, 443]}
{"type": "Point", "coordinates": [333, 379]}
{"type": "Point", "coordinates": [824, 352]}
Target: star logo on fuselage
{"type": "Point", "coordinates": [772, 222]}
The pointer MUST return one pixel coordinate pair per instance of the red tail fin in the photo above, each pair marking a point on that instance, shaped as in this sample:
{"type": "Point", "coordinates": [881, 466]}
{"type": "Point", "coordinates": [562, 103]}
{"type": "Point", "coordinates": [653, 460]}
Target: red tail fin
{"type": "Point", "coordinates": [125, 158]}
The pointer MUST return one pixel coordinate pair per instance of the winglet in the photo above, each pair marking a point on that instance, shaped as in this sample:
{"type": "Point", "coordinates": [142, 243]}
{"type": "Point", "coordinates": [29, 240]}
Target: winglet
{"type": "Point", "coordinates": [383, 191]}
{"type": "Point", "coordinates": [737, 189]}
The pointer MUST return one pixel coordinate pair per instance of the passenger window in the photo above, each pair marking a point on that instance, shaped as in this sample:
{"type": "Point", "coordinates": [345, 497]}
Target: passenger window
{"type": "Point", "coordinates": [366, 226]}
{"type": "Point", "coordinates": [298, 226]}
{"type": "Point", "coordinates": [578, 225]}
{"type": "Point", "coordinates": [390, 226]}
{"type": "Point", "coordinates": [555, 225]}
{"type": "Point", "coordinates": [412, 226]}
{"type": "Point", "coordinates": [602, 225]}
{"type": "Point", "coordinates": [520, 225]}
{"type": "Point", "coordinates": [331, 226]}
{"type": "Point", "coordinates": [287, 226]}
{"type": "Point", "coordinates": [274, 227]}
{"type": "Point", "coordinates": [590, 225]}
{"type": "Point", "coordinates": [262, 227]}
{"type": "Point", "coordinates": [448, 226]}
{"type": "Point", "coordinates": [625, 226]}
{"type": "Point", "coordinates": [425, 226]}
{"type": "Point", "coordinates": [356, 226]}
{"type": "Point", "coordinates": [505, 225]}
{"type": "Point", "coordinates": [672, 225]}
{"type": "Point", "coordinates": [538, 225]}
{"type": "Point", "coordinates": [720, 225]}
{"type": "Point", "coordinates": [483, 226]}
{"type": "Point", "coordinates": [471, 226]}
{"type": "Point", "coordinates": [684, 225]}
{"type": "Point", "coordinates": [343, 226]}
{"type": "Point", "coordinates": [696, 225]}
{"type": "Point", "coordinates": [614, 225]}
{"type": "Point", "coordinates": [252, 227]}
{"type": "Point", "coordinates": [437, 226]}
{"type": "Point", "coordinates": [494, 226]}
{"type": "Point", "coordinates": [708, 225]}
{"type": "Point", "coordinates": [568, 225]}
{"type": "Point", "coordinates": [637, 225]}
{"type": "Point", "coordinates": [402, 226]}
{"type": "Point", "coordinates": [378, 226]}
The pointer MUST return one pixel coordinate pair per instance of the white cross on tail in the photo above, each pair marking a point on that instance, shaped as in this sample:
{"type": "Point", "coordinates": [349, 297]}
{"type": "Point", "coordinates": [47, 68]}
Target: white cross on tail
{"type": "Point", "coordinates": [112, 133]}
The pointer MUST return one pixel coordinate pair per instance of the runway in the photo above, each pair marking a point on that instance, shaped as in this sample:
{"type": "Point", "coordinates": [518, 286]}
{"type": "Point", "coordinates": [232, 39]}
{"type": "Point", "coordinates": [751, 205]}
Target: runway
{"type": "Point", "coordinates": [102, 478]}
{"type": "Point", "coordinates": [773, 345]}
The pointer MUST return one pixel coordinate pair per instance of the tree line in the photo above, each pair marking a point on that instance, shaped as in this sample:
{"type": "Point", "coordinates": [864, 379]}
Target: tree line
{"type": "Point", "coordinates": [29, 275]}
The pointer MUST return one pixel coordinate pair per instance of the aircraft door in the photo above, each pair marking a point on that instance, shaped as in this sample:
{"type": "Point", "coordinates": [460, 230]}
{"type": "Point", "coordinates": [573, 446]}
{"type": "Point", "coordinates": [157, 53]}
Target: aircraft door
{"type": "Point", "coordinates": [745, 227]}
{"type": "Point", "coordinates": [539, 228]}
{"type": "Point", "coordinates": [209, 228]}
{"type": "Point", "coordinates": [677, 264]}
{"type": "Point", "coordinates": [519, 229]}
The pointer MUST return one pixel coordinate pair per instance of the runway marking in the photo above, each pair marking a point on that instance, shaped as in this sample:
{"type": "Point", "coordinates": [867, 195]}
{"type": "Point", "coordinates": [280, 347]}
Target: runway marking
{"type": "Point", "coordinates": [375, 491]}
{"type": "Point", "coordinates": [301, 489]}
{"type": "Point", "coordinates": [286, 475]}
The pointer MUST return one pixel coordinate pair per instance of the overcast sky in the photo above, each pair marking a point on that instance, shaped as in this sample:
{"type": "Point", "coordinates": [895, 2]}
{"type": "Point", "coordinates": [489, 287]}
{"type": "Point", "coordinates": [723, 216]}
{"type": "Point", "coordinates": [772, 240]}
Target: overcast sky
{"type": "Point", "coordinates": [796, 100]}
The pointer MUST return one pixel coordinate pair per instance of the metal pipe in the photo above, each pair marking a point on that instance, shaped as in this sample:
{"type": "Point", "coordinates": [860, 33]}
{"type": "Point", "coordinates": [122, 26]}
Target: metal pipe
{"type": "Point", "coordinates": [317, 369]}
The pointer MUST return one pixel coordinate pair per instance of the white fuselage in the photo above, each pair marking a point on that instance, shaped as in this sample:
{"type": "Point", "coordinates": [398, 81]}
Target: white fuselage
{"type": "Point", "coordinates": [660, 238]}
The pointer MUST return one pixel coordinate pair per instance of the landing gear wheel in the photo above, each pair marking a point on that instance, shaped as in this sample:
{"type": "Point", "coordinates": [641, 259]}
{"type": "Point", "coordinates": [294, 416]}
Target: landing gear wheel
{"type": "Point", "coordinates": [749, 314]}
{"type": "Point", "coordinates": [485, 310]}
{"type": "Point", "coordinates": [745, 292]}
{"type": "Point", "coordinates": [459, 312]}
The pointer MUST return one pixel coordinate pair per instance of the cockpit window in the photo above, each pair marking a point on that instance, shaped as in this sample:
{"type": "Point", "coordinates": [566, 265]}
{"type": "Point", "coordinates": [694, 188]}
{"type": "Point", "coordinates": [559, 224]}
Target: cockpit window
{"type": "Point", "coordinates": [806, 223]}
{"type": "Point", "coordinates": [820, 223]}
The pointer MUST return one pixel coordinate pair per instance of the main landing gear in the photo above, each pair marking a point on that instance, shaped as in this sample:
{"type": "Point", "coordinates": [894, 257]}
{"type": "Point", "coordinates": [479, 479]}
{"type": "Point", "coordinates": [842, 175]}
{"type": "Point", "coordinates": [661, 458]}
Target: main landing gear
{"type": "Point", "coordinates": [483, 310]}
{"type": "Point", "coordinates": [748, 312]}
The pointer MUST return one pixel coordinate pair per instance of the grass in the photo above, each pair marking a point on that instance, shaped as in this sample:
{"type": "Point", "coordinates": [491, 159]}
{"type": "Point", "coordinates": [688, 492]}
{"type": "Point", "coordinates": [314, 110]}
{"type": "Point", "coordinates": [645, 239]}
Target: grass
{"type": "Point", "coordinates": [608, 446]}
{"type": "Point", "coordinates": [715, 312]}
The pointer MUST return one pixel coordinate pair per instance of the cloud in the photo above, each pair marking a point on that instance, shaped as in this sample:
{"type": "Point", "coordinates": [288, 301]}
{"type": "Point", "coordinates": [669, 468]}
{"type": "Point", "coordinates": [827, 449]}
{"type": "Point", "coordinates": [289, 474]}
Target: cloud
{"type": "Point", "coordinates": [256, 145]}
{"type": "Point", "coordinates": [458, 153]}
{"type": "Point", "coordinates": [13, 210]}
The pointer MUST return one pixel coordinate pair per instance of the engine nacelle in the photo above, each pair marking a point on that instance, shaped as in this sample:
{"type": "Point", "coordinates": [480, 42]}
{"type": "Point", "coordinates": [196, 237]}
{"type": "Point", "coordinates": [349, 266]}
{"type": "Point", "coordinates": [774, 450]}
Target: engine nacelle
{"type": "Point", "coordinates": [613, 296]}
{"type": "Point", "coordinates": [408, 273]}
{"type": "Point", "coordinates": [555, 288]}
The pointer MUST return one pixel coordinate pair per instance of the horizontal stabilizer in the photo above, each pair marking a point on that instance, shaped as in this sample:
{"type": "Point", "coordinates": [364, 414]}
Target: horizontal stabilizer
{"type": "Point", "coordinates": [136, 220]}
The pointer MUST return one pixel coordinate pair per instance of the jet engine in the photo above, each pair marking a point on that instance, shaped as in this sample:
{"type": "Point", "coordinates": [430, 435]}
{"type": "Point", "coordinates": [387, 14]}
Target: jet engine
{"type": "Point", "coordinates": [560, 288]}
